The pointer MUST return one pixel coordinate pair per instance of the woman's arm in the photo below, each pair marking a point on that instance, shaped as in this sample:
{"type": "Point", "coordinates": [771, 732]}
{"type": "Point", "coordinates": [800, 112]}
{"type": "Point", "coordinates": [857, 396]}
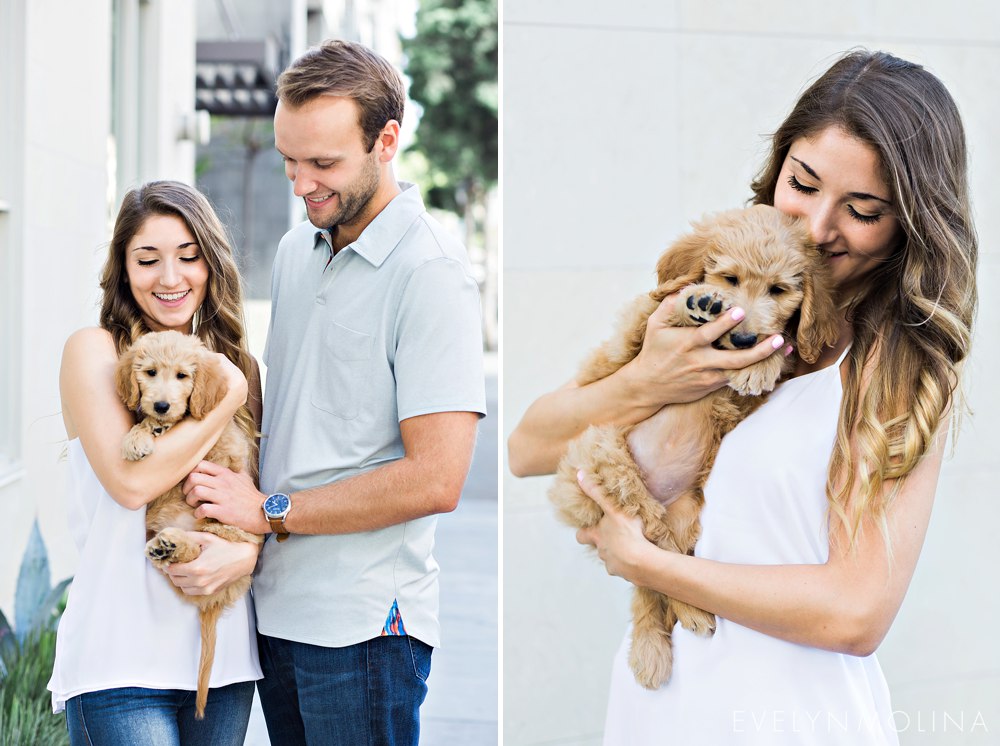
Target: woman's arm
{"type": "Point", "coordinates": [846, 605]}
{"type": "Point", "coordinates": [93, 411]}
{"type": "Point", "coordinates": [675, 365]}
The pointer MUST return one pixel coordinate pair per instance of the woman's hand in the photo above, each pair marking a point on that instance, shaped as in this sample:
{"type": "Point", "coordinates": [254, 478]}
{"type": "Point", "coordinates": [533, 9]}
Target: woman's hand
{"type": "Point", "coordinates": [236, 382]}
{"type": "Point", "coordinates": [675, 365]}
{"type": "Point", "coordinates": [679, 364]}
{"type": "Point", "coordinates": [618, 538]}
{"type": "Point", "coordinates": [221, 562]}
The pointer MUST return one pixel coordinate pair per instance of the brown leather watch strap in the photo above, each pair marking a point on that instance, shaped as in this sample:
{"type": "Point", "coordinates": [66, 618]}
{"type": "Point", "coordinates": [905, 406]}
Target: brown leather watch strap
{"type": "Point", "coordinates": [278, 527]}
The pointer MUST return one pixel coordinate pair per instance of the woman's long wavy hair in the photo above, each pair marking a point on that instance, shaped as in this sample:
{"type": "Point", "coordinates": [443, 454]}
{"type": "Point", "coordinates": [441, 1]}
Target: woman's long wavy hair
{"type": "Point", "coordinates": [219, 321]}
{"type": "Point", "coordinates": [912, 320]}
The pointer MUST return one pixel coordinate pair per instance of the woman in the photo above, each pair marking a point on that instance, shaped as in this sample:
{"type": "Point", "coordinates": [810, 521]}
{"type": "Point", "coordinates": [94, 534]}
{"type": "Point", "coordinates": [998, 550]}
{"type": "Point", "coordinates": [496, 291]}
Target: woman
{"type": "Point", "coordinates": [812, 524]}
{"type": "Point", "coordinates": [127, 647]}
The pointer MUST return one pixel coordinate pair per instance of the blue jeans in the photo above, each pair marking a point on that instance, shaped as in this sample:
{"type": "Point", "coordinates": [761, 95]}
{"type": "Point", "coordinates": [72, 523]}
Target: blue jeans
{"type": "Point", "coordinates": [159, 717]}
{"type": "Point", "coordinates": [367, 694]}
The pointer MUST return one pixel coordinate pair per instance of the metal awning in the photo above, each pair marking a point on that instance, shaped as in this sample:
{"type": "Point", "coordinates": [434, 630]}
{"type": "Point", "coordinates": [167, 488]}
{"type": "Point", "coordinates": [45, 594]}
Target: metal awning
{"type": "Point", "coordinates": [236, 78]}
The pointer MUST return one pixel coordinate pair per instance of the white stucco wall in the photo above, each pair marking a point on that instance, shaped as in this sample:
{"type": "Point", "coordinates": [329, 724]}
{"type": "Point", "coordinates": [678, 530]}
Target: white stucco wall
{"type": "Point", "coordinates": [170, 30]}
{"type": "Point", "coordinates": [61, 211]}
{"type": "Point", "coordinates": [623, 121]}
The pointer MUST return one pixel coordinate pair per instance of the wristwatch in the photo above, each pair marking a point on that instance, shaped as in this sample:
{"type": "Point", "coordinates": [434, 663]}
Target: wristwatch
{"type": "Point", "coordinates": [275, 509]}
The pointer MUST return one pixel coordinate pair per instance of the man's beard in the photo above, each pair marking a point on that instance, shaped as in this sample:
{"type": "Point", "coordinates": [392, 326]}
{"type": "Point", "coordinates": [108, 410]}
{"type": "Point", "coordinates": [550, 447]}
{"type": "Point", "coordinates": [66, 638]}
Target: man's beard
{"type": "Point", "coordinates": [352, 202]}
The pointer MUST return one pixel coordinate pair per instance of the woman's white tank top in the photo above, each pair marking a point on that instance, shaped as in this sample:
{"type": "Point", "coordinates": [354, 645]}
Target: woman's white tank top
{"type": "Point", "coordinates": [124, 626]}
{"type": "Point", "coordinates": [765, 503]}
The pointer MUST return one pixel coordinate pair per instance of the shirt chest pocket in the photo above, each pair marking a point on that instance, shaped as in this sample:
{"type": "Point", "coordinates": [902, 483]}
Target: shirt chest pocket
{"type": "Point", "coordinates": [343, 383]}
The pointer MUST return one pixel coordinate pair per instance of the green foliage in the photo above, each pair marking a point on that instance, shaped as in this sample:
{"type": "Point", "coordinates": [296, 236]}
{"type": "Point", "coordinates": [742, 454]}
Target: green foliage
{"type": "Point", "coordinates": [27, 653]}
{"type": "Point", "coordinates": [25, 704]}
{"type": "Point", "coordinates": [202, 165]}
{"type": "Point", "coordinates": [452, 66]}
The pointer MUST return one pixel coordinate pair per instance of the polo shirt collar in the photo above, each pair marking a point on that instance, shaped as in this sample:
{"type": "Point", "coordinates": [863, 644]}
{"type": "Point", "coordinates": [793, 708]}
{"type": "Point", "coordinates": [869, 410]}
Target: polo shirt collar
{"type": "Point", "coordinates": [384, 233]}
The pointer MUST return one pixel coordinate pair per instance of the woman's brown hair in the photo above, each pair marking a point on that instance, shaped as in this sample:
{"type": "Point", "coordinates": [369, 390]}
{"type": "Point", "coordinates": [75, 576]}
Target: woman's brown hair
{"type": "Point", "coordinates": [219, 321]}
{"type": "Point", "coordinates": [912, 320]}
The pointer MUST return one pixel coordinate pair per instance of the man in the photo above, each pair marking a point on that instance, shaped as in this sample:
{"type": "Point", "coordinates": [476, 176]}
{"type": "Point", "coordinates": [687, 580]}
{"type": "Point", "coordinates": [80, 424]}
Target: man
{"type": "Point", "coordinates": [374, 389]}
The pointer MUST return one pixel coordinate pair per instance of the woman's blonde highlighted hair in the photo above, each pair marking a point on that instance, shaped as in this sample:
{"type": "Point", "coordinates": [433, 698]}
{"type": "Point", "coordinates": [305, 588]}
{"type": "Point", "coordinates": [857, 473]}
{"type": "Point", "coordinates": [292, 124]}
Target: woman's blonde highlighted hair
{"type": "Point", "coordinates": [219, 321]}
{"type": "Point", "coordinates": [912, 320]}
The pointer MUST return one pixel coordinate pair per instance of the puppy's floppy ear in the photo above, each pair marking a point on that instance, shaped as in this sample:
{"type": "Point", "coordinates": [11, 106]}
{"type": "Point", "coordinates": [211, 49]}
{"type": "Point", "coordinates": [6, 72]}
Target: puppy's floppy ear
{"type": "Point", "coordinates": [817, 320]}
{"type": "Point", "coordinates": [209, 386]}
{"type": "Point", "coordinates": [126, 381]}
{"type": "Point", "coordinates": [682, 264]}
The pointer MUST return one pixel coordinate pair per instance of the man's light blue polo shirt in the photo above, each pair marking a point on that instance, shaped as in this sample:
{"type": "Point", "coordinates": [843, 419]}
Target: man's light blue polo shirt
{"type": "Point", "coordinates": [389, 328]}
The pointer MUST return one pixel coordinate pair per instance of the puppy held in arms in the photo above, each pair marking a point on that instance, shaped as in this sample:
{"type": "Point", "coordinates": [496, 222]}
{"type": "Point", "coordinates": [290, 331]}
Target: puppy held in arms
{"type": "Point", "coordinates": [765, 263]}
{"type": "Point", "coordinates": [165, 377]}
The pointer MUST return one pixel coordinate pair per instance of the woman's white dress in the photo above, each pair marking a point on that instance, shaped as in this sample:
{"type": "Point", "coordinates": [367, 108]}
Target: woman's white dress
{"type": "Point", "coordinates": [765, 504]}
{"type": "Point", "coordinates": [124, 626]}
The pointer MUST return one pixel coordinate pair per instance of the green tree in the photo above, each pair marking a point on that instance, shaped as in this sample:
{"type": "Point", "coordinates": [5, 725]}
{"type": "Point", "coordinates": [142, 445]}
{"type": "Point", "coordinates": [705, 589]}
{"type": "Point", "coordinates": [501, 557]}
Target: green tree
{"type": "Point", "coordinates": [452, 65]}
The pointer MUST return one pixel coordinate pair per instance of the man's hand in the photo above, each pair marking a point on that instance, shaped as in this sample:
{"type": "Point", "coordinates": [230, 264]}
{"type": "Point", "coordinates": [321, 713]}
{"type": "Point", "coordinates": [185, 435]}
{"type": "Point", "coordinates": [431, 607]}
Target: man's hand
{"type": "Point", "coordinates": [220, 563]}
{"type": "Point", "coordinates": [216, 492]}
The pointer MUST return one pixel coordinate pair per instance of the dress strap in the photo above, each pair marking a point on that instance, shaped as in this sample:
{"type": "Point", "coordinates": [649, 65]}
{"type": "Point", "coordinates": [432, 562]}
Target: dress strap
{"type": "Point", "coordinates": [842, 356]}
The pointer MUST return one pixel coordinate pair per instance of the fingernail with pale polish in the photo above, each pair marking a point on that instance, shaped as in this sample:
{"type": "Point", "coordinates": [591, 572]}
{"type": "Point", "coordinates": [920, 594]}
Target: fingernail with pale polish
{"type": "Point", "coordinates": [737, 314]}
{"type": "Point", "coordinates": [788, 350]}
{"type": "Point", "coordinates": [777, 342]}
{"type": "Point", "coordinates": [579, 476]}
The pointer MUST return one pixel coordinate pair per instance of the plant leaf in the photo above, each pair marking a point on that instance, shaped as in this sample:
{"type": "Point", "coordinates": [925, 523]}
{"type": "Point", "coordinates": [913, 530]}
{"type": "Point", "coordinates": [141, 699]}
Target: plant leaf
{"type": "Point", "coordinates": [5, 628]}
{"type": "Point", "coordinates": [46, 613]}
{"type": "Point", "coordinates": [32, 583]}
{"type": "Point", "coordinates": [8, 648]}
{"type": "Point", "coordinates": [25, 705]}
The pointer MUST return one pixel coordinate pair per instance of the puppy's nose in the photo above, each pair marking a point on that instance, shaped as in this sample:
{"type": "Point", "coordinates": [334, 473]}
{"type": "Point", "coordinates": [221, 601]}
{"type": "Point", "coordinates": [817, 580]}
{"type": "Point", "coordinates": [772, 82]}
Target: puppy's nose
{"type": "Point", "coordinates": [161, 407]}
{"type": "Point", "coordinates": [742, 340]}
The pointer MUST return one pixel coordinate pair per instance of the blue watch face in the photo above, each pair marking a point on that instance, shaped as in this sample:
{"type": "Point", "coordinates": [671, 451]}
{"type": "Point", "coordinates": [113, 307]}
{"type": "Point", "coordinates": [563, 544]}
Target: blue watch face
{"type": "Point", "coordinates": [276, 504]}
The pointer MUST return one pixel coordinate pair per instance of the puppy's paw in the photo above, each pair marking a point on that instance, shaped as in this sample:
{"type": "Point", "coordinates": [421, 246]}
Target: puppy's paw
{"type": "Point", "coordinates": [759, 378]}
{"type": "Point", "coordinates": [160, 550]}
{"type": "Point", "coordinates": [651, 659]}
{"type": "Point", "coordinates": [169, 546]}
{"type": "Point", "coordinates": [700, 304]}
{"type": "Point", "coordinates": [137, 444]}
{"type": "Point", "coordinates": [696, 620]}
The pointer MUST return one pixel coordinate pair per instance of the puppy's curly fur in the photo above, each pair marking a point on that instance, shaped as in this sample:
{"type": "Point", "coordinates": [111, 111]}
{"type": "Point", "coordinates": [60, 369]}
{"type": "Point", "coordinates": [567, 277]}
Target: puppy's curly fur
{"type": "Point", "coordinates": [763, 262]}
{"type": "Point", "coordinates": [165, 377]}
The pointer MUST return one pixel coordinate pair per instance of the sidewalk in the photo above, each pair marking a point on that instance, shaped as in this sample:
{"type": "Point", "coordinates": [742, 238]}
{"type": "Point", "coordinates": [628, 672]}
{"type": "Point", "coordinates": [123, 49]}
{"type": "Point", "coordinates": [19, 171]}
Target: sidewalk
{"type": "Point", "coordinates": [461, 705]}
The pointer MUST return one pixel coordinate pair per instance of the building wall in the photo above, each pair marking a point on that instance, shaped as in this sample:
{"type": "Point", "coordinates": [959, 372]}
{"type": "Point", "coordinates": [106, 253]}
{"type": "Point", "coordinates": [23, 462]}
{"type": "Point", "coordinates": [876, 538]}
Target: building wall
{"type": "Point", "coordinates": [623, 122]}
{"type": "Point", "coordinates": [170, 30]}
{"type": "Point", "coordinates": [61, 208]}
{"type": "Point", "coordinates": [63, 193]}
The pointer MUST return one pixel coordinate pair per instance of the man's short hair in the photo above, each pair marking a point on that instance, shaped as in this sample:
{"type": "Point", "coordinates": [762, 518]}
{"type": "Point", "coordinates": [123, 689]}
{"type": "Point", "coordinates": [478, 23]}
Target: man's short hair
{"type": "Point", "coordinates": [344, 68]}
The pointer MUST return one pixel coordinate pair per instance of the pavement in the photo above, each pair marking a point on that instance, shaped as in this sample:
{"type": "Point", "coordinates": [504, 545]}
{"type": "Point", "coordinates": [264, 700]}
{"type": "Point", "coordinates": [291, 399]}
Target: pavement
{"type": "Point", "coordinates": [462, 700]}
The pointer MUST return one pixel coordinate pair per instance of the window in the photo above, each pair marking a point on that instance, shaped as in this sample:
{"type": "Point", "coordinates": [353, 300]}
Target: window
{"type": "Point", "coordinates": [136, 90]}
{"type": "Point", "coordinates": [126, 109]}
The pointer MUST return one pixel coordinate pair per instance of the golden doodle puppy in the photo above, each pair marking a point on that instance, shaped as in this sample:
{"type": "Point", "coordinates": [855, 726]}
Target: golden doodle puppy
{"type": "Point", "coordinates": [165, 377]}
{"type": "Point", "coordinates": [765, 263]}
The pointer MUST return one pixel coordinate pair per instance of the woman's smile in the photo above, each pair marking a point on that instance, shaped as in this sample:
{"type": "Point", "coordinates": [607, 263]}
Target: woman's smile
{"type": "Point", "coordinates": [167, 274]}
